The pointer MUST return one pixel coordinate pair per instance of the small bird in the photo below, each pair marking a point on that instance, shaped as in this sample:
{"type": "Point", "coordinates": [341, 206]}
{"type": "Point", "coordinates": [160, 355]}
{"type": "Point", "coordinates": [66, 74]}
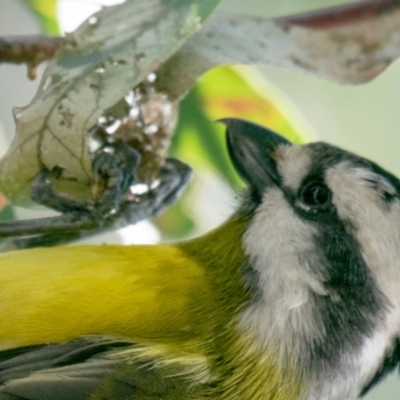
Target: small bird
{"type": "Point", "coordinates": [295, 297]}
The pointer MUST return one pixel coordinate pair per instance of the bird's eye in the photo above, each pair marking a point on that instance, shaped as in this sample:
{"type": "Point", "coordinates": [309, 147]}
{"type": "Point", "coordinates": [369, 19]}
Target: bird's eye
{"type": "Point", "coordinates": [315, 194]}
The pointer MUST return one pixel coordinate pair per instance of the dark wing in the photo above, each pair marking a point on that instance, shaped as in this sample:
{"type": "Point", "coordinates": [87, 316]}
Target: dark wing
{"type": "Point", "coordinates": [84, 368]}
{"type": "Point", "coordinates": [72, 370]}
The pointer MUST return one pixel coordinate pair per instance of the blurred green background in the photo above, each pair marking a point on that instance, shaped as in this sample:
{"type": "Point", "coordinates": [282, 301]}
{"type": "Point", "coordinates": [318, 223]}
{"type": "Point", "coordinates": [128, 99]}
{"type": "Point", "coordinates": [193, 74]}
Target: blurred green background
{"type": "Point", "coordinates": [364, 119]}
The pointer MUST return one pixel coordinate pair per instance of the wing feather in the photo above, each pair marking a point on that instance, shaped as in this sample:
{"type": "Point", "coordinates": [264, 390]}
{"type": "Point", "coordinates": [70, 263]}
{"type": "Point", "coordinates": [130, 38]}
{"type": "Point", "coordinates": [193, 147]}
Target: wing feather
{"type": "Point", "coordinates": [98, 367]}
{"type": "Point", "coordinates": [64, 371]}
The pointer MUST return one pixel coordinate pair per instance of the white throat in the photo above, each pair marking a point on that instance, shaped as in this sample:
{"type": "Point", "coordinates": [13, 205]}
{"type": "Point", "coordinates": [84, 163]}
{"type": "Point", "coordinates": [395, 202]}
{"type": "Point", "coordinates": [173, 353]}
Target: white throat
{"type": "Point", "coordinates": [283, 314]}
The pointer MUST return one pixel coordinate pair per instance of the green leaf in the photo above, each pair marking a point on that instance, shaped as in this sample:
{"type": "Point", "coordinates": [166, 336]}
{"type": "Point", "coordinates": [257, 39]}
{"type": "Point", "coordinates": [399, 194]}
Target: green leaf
{"type": "Point", "coordinates": [113, 51]}
{"type": "Point", "coordinates": [46, 13]}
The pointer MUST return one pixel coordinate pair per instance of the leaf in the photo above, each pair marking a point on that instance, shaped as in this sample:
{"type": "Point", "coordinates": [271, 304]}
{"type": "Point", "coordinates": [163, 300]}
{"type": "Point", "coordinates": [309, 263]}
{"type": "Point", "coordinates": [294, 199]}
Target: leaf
{"type": "Point", "coordinates": [46, 13]}
{"type": "Point", "coordinates": [98, 64]}
{"type": "Point", "coordinates": [348, 44]}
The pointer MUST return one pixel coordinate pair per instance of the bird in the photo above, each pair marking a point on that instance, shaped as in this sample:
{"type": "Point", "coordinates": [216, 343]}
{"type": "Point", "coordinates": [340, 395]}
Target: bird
{"type": "Point", "coordinates": [295, 297]}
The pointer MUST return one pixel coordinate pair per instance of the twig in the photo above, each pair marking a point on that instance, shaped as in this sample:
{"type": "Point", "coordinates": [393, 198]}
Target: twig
{"type": "Point", "coordinates": [30, 50]}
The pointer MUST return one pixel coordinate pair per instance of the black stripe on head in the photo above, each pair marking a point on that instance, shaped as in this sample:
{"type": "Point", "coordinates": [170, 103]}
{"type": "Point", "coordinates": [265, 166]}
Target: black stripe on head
{"type": "Point", "coordinates": [354, 305]}
{"type": "Point", "coordinates": [363, 304]}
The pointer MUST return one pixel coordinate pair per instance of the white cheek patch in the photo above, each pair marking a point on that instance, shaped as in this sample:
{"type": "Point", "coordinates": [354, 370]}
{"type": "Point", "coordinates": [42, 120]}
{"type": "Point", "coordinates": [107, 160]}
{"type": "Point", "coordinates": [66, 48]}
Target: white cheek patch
{"type": "Point", "coordinates": [281, 249]}
{"type": "Point", "coordinates": [293, 164]}
{"type": "Point", "coordinates": [376, 182]}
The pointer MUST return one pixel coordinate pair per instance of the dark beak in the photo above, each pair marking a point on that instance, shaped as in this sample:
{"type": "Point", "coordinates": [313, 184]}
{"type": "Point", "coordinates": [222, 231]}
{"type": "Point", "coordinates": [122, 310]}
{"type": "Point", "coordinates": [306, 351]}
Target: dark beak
{"type": "Point", "coordinates": [251, 149]}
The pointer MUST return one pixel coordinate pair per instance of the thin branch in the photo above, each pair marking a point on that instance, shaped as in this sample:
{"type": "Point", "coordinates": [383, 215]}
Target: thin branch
{"type": "Point", "coordinates": [30, 50]}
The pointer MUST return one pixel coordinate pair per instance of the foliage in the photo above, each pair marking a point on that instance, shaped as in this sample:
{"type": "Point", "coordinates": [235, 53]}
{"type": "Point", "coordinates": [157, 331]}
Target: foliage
{"type": "Point", "coordinates": [114, 53]}
{"type": "Point", "coordinates": [46, 13]}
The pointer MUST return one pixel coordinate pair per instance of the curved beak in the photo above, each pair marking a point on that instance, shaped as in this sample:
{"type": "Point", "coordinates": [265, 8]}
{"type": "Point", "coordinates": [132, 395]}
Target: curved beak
{"type": "Point", "coordinates": [251, 148]}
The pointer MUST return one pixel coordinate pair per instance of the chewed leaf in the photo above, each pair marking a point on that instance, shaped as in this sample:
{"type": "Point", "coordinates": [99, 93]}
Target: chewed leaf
{"type": "Point", "coordinates": [99, 63]}
{"type": "Point", "coordinates": [349, 44]}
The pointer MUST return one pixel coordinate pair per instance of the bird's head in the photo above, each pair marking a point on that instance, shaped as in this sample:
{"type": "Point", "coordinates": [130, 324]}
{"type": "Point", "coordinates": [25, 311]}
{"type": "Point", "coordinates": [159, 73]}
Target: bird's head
{"type": "Point", "coordinates": [324, 245]}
